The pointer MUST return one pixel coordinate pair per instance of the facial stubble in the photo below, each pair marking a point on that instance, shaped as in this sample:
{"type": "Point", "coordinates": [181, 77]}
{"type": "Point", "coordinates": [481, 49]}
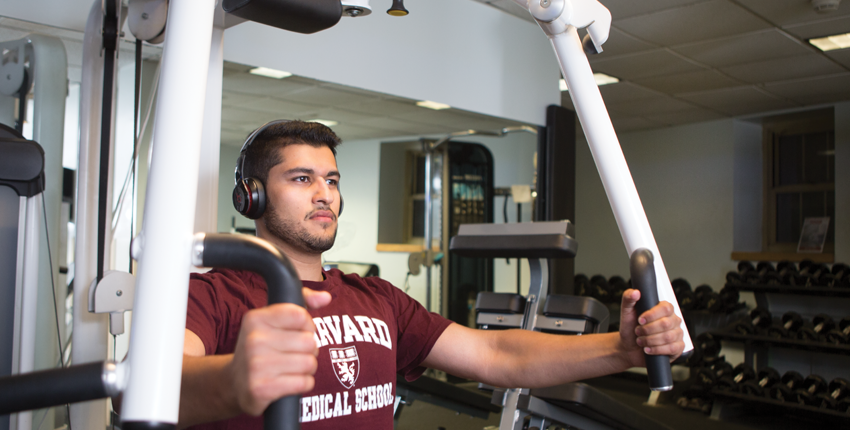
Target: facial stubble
{"type": "Point", "coordinates": [295, 234]}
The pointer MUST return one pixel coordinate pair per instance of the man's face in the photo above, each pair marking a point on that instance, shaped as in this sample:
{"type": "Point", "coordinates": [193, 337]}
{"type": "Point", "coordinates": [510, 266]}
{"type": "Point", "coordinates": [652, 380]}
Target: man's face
{"type": "Point", "coordinates": [303, 198]}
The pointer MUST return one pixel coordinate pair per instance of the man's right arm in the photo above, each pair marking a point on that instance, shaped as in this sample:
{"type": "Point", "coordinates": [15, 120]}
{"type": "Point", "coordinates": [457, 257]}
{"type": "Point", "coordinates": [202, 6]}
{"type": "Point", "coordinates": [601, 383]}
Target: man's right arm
{"type": "Point", "coordinates": [275, 356]}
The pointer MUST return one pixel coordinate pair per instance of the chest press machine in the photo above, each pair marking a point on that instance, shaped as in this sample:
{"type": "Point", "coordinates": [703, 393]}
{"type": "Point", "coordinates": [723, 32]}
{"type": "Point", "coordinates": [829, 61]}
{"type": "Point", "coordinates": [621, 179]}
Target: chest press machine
{"type": "Point", "coordinates": [166, 248]}
{"type": "Point", "coordinates": [577, 405]}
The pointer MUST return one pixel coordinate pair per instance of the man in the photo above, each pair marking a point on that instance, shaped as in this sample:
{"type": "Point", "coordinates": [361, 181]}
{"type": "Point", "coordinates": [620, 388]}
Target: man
{"type": "Point", "coordinates": [345, 351]}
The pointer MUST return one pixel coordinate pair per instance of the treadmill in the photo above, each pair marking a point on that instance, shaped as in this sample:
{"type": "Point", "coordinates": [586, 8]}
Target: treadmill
{"type": "Point", "coordinates": [575, 405]}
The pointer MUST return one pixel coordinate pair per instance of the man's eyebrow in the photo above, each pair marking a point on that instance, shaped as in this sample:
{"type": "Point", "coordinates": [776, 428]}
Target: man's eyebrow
{"type": "Point", "coordinates": [308, 171]}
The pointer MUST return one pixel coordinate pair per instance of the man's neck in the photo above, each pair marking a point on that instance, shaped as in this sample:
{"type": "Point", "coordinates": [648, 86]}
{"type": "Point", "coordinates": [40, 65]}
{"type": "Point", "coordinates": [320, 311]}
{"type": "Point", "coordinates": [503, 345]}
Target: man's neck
{"type": "Point", "coordinates": [308, 265]}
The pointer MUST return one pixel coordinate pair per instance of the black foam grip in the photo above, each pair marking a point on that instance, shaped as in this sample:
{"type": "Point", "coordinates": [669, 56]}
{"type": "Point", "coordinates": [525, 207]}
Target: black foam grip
{"type": "Point", "coordinates": [301, 16]}
{"type": "Point", "coordinates": [52, 387]}
{"type": "Point", "coordinates": [236, 251]}
{"type": "Point", "coordinates": [642, 269]}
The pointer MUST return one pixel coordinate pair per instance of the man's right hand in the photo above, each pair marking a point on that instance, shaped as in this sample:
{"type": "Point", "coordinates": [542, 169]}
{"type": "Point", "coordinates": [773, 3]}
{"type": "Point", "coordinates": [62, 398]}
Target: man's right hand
{"type": "Point", "coordinates": [275, 353]}
{"type": "Point", "coordinates": [275, 357]}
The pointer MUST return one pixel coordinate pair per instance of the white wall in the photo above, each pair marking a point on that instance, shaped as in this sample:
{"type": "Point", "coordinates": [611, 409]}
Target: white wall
{"type": "Point", "coordinates": [464, 53]}
{"type": "Point", "coordinates": [460, 52]}
{"type": "Point", "coordinates": [684, 176]}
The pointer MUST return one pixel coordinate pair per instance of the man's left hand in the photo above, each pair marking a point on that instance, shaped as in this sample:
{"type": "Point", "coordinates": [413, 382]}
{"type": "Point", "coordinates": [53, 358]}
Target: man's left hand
{"type": "Point", "coordinates": [656, 331]}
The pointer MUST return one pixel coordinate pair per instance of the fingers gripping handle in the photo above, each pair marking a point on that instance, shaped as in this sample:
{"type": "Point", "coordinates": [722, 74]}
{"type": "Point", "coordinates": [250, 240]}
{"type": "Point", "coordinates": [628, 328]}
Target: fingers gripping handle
{"type": "Point", "coordinates": [642, 269]}
{"type": "Point", "coordinates": [254, 254]}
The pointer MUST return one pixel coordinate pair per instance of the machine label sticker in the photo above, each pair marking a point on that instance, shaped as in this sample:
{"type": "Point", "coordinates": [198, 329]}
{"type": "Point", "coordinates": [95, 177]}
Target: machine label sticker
{"type": "Point", "coordinates": [346, 364]}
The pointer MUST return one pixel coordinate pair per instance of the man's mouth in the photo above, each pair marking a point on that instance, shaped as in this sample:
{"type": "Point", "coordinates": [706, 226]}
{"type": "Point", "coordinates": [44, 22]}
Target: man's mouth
{"type": "Point", "coordinates": [322, 215]}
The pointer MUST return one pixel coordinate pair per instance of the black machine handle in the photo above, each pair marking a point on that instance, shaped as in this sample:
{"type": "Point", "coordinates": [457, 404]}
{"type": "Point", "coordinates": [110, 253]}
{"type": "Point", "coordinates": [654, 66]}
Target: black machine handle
{"type": "Point", "coordinates": [54, 387]}
{"type": "Point", "coordinates": [642, 268]}
{"type": "Point", "coordinates": [236, 251]}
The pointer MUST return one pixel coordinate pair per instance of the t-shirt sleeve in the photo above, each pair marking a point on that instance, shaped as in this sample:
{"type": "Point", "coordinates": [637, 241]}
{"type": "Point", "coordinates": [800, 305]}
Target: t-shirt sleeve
{"type": "Point", "coordinates": [418, 331]}
{"type": "Point", "coordinates": [202, 313]}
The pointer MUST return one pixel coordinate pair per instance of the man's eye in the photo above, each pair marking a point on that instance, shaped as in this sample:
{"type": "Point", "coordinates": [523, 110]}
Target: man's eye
{"type": "Point", "coordinates": [332, 182]}
{"type": "Point", "coordinates": [302, 179]}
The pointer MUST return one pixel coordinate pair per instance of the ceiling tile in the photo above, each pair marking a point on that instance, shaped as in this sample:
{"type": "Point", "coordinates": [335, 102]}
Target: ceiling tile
{"type": "Point", "coordinates": [328, 96]}
{"type": "Point", "coordinates": [622, 43]}
{"type": "Point", "coordinates": [824, 28]}
{"type": "Point", "coordinates": [251, 118]}
{"type": "Point", "coordinates": [384, 108]}
{"type": "Point", "coordinates": [283, 108]}
{"type": "Point", "coordinates": [811, 91]}
{"type": "Point", "coordinates": [655, 105]}
{"type": "Point", "coordinates": [842, 56]}
{"type": "Point", "coordinates": [624, 91]}
{"type": "Point", "coordinates": [624, 124]}
{"type": "Point", "coordinates": [685, 116]}
{"type": "Point", "coordinates": [737, 101]}
{"type": "Point", "coordinates": [745, 48]}
{"type": "Point", "coordinates": [649, 63]}
{"type": "Point", "coordinates": [781, 69]}
{"type": "Point", "coordinates": [621, 9]}
{"type": "Point", "coordinates": [259, 85]}
{"type": "Point", "coordinates": [785, 12]}
{"type": "Point", "coordinates": [690, 23]}
{"type": "Point", "coordinates": [688, 82]}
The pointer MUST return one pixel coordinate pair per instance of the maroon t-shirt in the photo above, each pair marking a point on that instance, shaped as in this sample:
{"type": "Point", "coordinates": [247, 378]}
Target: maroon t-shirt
{"type": "Point", "coordinates": [370, 331]}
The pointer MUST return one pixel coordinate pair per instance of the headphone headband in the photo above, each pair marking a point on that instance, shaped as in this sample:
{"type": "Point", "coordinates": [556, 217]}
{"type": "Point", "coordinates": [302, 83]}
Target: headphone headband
{"type": "Point", "coordinates": [240, 164]}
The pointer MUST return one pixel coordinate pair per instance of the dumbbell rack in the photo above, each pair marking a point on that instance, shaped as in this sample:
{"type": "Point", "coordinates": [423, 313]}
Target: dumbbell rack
{"type": "Point", "coordinates": [778, 299]}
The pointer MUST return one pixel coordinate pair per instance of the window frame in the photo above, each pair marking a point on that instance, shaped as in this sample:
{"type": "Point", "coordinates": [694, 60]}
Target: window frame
{"type": "Point", "coordinates": [822, 120]}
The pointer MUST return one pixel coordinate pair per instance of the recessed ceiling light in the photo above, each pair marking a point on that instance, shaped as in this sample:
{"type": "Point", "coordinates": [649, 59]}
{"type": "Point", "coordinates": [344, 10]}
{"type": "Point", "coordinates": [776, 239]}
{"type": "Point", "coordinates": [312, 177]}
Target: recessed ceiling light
{"type": "Point", "coordinates": [325, 122]}
{"type": "Point", "coordinates": [600, 78]}
{"type": "Point", "coordinates": [269, 73]}
{"type": "Point", "coordinates": [432, 105]}
{"type": "Point", "coordinates": [830, 43]}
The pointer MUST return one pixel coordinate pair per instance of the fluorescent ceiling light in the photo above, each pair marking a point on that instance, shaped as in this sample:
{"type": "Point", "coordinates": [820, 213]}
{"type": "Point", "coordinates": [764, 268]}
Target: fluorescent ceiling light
{"type": "Point", "coordinates": [830, 43]}
{"type": "Point", "coordinates": [269, 73]}
{"type": "Point", "coordinates": [600, 78]}
{"type": "Point", "coordinates": [325, 122]}
{"type": "Point", "coordinates": [432, 105]}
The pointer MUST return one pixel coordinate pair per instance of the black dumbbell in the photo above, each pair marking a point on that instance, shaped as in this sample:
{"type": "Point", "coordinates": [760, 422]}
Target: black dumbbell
{"type": "Point", "coordinates": [618, 286]}
{"type": "Point", "coordinates": [826, 279]}
{"type": "Point", "coordinates": [740, 374]}
{"type": "Point", "coordinates": [821, 325]}
{"type": "Point", "coordinates": [707, 299]}
{"type": "Point", "coordinates": [791, 322]}
{"type": "Point", "coordinates": [745, 267]}
{"type": "Point", "coordinates": [684, 295]}
{"type": "Point", "coordinates": [717, 376]}
{"type": "Point", "coordinates": [841, 335]}
{"type": "Point", "coordinates": [582, 285]}
{"type": "Point", "coordinates": [733, 278]}
{"type": "Point", "coordinates": [708, 345]}
{"type": "Point", "coordinates": [730, 298]}
{"type": "Point", "coordinates": [760, 319]}
{"type": "Point", "coordinates": [808, 392]}
{"type": "Point", "coordinates": [841, 272]}
{"type": "Point", "coordinates": [804, 266]}
{"type": "Point", "coordinates": [784, 389]}
{"type": "Point", "coordinates": [760, 385]}
{"type": "Point", "coordinates": [600, 289]}
{"type": "Point", "coordinates": [838, 390]}
{"type": "Point", "coordinates": [772, 279]}
{"type": "Point", "coordinates": [786, 266]}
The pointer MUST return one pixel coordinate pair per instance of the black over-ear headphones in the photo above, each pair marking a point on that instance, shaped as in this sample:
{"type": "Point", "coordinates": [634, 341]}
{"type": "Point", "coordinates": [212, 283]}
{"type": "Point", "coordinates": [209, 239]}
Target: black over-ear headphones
{"type": "Point", "coordinates": [249, 194]}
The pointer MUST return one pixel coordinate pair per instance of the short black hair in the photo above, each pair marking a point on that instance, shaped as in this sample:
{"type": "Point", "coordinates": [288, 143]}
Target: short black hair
{"type": "Point", "coordinates": [264, 152]}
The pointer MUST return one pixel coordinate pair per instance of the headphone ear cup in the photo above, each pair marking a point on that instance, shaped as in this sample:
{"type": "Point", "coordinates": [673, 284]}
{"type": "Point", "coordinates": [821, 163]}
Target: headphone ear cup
{"type": "Point", "coordinates": [241, 198]}
{"type": "Point", "coordinates": [249, 198]}
{"type": "Point", "coordinates": [258, 198]}
{"type": "Point", "coordinates": [341, 205]}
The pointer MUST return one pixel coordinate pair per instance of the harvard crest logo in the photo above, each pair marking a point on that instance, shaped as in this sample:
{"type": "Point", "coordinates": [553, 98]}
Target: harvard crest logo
{"type": "Point", "coordinates": [346, 364]}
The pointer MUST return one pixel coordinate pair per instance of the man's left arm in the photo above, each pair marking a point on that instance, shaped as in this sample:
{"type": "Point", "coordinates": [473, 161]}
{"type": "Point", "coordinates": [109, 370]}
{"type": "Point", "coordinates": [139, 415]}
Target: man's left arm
{"type": "Point", "coordinates": [520, 358]}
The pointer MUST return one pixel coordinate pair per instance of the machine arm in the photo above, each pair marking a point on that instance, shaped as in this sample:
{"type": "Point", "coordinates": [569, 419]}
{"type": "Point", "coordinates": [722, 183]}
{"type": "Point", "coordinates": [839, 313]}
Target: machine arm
{"type": "Point", "coordinates": [560, 20]}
